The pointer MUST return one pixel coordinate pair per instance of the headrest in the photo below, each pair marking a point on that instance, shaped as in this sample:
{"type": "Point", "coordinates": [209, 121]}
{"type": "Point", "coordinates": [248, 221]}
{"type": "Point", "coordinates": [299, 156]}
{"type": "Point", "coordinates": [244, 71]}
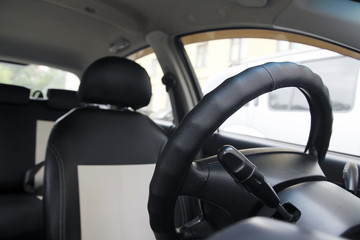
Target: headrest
{"type": "Point", "coordinates": [62, 99]}
{"type": "Point", "coordinates": [116, 81]}
{"type": "Point", "coordinates": [14, 94]}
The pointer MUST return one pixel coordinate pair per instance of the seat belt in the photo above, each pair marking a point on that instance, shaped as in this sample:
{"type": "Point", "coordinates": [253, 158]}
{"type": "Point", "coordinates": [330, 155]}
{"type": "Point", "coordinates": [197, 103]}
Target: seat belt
{"type": "Point", "coordinates": [29, 185]}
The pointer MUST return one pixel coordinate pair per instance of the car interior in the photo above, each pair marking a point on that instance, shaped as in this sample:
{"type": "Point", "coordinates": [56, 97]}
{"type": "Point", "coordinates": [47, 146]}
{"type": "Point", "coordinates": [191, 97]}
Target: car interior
{"type": "Point", "coordinates": [216, 119]}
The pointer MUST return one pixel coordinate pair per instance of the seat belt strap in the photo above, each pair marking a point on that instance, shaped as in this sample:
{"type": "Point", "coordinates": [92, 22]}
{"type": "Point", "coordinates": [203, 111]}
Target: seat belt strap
{"type": "Point", "coordinates": [29, 179]}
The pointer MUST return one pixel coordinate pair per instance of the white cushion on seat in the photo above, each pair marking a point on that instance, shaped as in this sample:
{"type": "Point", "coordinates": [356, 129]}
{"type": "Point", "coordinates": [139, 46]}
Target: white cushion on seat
{"type": "Point", "coordinates": [113, 201]}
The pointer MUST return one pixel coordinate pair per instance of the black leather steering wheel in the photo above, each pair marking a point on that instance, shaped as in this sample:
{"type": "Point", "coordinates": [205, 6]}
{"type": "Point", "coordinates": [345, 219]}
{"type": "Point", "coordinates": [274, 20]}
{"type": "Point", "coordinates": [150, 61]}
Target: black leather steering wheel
{"type": "Point", "coordinates": [176, 159]}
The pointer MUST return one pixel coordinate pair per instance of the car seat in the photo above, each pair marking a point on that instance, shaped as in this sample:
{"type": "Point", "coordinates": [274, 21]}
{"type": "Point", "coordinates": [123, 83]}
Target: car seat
{"type": "Point", "coordinates": [101, 156]}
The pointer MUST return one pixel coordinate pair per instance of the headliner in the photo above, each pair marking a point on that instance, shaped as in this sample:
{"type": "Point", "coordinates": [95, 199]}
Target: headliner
{"type": "Point", "coordinates": [71, 34]}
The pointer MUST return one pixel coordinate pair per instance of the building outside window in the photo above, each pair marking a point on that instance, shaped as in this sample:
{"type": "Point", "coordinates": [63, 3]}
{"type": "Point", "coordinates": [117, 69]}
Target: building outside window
{"type": "Point", "coordinates": [201, 55]}
{"type": "Point", "coordinates": [153, 67]}
{"type": "Point", "coordinates": [235, 50]}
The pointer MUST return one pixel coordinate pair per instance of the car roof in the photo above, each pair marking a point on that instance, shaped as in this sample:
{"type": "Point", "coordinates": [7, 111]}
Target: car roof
{"type": "Point", "coordinates": [71, 34]}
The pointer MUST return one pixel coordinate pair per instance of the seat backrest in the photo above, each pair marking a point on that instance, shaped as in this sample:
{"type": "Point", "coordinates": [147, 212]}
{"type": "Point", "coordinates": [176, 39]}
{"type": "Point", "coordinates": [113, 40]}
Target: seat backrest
{"type": "Point", "coordinates": [24, 125]}
{"type": "Point", "coordinates": [15, 138]}
{"type": "Point", "coordinates": [20, 122]}
{"type": "Point", "coordinates": [45, 113]}
{"type": "Point", "coordinates": [99, 162]}
{"type": "Point", "coordinates": [60, 99]}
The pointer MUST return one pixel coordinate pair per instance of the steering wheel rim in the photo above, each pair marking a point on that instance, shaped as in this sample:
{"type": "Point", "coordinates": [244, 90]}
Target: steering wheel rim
{"type": "Point", "coordinates": [175, 161]}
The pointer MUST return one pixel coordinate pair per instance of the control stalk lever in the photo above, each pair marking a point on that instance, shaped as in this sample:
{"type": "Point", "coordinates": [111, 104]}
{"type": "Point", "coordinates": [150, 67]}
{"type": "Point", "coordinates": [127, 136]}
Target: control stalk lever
{"type": "Point", "coordinates": [350, 177]}
{"type": "Point", "coordinates": [245, 173]}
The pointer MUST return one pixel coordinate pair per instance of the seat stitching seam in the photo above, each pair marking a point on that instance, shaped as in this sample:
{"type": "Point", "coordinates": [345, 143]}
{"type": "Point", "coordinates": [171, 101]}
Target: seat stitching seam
{"type": "Point", "coordinates": [62, 192]}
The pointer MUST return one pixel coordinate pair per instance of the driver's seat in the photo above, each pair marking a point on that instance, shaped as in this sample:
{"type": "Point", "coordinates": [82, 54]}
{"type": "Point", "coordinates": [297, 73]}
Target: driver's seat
{"type": "Point", "coordinates": [100, 160]}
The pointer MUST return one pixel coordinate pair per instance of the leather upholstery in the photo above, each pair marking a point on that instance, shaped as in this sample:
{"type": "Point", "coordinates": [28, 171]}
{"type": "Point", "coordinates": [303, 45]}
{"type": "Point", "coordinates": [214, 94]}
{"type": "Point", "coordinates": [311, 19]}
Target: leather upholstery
{"type": "Point", "coordinates": [17, 141]}
{"type": "Point", "coordinates": [62, 99]}
{"type": "Point", "coordinates": [116, 81]}
{"type": "Point", "coordinates": [95, 136]}
{"type": "Point", "coordinates": [21, 216]}
{"type": "Point", "coordinates": [18, 133]}
{"type": "Point", "coordinates": [21, 212]}
{"type": "Point", "coordinates": [14, 94]}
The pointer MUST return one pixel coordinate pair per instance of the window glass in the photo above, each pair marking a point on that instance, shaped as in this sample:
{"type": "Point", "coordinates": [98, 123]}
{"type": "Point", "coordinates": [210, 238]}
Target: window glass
{"type": "Point", "coordinates": [201, 55]}
{"type": "Point", "coordinates": [159, 107]}
{"type": "Point", "coordinates": [340, 75]}
{"type": "Point", "coordinates": [235, 49]}
{"type": "Point", "coordinates": [283, 114]}
{"type": "Point", "coordinates": [37, 77]}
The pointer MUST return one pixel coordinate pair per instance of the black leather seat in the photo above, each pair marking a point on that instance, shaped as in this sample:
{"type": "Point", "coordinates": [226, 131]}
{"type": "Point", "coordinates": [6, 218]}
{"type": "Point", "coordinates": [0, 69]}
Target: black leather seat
{"type": "Point", "coordinates": [61, 99]}
{"type": "Point", "coordinates": [91, 145]}
{"type": "Point", "coordinates": [21, 211]}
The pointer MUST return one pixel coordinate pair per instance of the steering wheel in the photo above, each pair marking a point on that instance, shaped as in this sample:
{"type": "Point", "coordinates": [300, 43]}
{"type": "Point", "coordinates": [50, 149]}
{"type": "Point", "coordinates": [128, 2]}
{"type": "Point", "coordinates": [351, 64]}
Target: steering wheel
{"type": "Point", "coordinates": [175, 174]}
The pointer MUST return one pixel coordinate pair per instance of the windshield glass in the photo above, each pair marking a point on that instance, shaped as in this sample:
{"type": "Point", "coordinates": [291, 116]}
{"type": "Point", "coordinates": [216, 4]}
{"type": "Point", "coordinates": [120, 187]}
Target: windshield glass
{"type": "Point", "coordinates": [281, 115]}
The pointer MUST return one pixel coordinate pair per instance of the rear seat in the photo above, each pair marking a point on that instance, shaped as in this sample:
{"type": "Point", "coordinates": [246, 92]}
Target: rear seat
{"type": "Point", "coordinates": [25, 125]}
{"type": "Point", "coordinates": [59, 99]}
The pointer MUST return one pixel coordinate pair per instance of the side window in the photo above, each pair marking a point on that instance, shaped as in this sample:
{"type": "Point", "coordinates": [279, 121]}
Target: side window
{"type": "Point", "coordinates": [339, 73]}
{"type": "Point", "coordinates": [159, 107]}
{"type": "Point", "coordinates": [37, 77]}
{"type": "Point", "coordinates": [281, 115]}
